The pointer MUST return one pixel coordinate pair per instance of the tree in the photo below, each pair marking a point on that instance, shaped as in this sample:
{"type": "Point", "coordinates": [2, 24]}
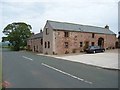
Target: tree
{"type": "Point", "coordinates": [17, 34]}
{"type": "Point", "coordinates": [4, 39]}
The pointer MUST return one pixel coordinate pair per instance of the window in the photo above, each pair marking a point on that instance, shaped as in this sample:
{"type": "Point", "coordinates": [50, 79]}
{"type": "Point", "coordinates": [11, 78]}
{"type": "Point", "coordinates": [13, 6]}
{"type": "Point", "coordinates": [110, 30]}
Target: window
{"type": "Point", "coordinates": [48, 44]}
{"type": "Point", "coordinates": [92, 43]}
{"type": "Point", "coordinates": [81, 44]}
{"type": "Point", "coordinates": [34, 48]}
{"type": "Point", "coordinates": [93, 35]}
{"type": "Point", "coordinates": [47, 31]}
{"type": "Point", "coordinates": [45, 44]}
{"type": "Point", "coordinates": [75, 38]}
{"type": "Point", "coordinates": [41, 41]}
{"type": "Point", "coordinates": [66, 34]}
{"type": "Point", "coordinates": [66, 44]}
{"type": "Point", "coordinates": [58, 33]}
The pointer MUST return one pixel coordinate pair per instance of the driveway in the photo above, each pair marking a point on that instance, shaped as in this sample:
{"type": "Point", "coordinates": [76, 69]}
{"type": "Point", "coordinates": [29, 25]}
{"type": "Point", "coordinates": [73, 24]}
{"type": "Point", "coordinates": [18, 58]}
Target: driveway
{"type": "Point", "coordinates": [108, 59]}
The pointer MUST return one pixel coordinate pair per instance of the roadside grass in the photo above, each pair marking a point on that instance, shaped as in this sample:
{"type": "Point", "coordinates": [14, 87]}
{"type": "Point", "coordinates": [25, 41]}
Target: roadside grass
{"type": "Point", "coordinates": [0, 68]}
{"type": "Point", "coordinates": [0, 77]}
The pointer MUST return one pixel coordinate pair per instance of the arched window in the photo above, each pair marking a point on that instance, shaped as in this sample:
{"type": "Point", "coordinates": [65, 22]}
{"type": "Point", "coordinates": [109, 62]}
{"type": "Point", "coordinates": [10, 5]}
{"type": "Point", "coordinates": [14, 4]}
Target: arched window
{"type": "Point", "coordinates": [101, 42]}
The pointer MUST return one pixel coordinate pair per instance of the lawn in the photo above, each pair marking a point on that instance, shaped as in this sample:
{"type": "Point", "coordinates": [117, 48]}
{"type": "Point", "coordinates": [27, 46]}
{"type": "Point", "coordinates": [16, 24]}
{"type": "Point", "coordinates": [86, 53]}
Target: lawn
{"type": "Point", "coordinates": [0, 67]}
{"type": "Point", "coordinates": [0, 76]}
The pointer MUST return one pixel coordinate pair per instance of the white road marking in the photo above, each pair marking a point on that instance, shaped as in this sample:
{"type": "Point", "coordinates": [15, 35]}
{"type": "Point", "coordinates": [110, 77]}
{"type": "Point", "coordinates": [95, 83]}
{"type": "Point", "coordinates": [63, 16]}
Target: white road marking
{"type": "Point", "coordinates": [27, 58]}
{"type": "Point", "coordinates": [80, 79]}
{"type": "Point", "coordinates": [99, 68]}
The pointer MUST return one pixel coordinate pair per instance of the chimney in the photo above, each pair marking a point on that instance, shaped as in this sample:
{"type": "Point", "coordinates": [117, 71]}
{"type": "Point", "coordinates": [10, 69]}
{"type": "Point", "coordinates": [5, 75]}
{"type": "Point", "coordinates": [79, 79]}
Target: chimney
{"type": "Point", "coordinates": [40, 30]}
{"type": "Point", "coordinates": [107, 27]}
{"type": "Point", "coordinates": [32, 33]}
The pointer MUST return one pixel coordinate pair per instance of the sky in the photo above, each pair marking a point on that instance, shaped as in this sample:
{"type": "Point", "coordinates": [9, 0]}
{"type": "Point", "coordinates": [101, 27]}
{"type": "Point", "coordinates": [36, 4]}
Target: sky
{"type": "Point", "coordinates": [37, 12]}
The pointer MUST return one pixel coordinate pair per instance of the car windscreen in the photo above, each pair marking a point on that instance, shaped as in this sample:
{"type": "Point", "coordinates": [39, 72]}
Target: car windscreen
{"type": "Point", "coordinates": [91, 47]}
{"type": "Point", "coordinates": [94, 47]}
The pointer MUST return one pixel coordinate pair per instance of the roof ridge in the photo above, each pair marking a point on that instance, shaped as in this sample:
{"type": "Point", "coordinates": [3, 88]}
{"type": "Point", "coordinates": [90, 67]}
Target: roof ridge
{"type": "Point", "coordinates": [63, 22]}
{"type": "Point", "coordinates": [75, 27]}
{"type": "Point", "coordinates": [76, 24]}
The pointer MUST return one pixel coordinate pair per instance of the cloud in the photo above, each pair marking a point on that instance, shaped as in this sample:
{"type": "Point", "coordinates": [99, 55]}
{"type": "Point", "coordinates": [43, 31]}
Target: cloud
{"type": "Point", "coordinates": [119, 16]}
{"type": "Point", "coordinates": [90, 13]}
{"type": "Point", "coordinates": [61, 1]}
{"type": "Point", "coordinates": [35, 13]}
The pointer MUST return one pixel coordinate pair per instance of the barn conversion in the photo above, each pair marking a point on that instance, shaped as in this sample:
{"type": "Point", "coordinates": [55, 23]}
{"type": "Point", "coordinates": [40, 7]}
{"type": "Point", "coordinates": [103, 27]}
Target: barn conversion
{"type": "Point", "coordinates": [63, 37]}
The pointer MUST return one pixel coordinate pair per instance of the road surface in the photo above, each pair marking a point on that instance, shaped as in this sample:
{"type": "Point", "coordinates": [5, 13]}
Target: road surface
{"type": "Point", "coordinates": [28, 70]}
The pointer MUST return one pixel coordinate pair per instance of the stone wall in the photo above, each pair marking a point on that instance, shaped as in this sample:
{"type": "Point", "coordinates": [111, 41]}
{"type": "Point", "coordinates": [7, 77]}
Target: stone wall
{"type": "Point", "coordinates": [75, 38]}
{"type": "Point", "coordinates": [35, 45]}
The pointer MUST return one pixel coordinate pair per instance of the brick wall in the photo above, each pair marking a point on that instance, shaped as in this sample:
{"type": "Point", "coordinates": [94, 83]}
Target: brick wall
{"type": "Point", "coordinates": [75, 38]}
{"type": "Point", "coordinates": [35, 45]}
{"type": "Point", "coordinates": [48, 37]}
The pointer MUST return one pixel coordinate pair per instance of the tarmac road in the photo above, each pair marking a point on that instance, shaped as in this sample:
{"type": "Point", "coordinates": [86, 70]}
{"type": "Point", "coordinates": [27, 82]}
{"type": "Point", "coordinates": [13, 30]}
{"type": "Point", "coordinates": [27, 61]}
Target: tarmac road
{"type": "Point", "coordinates": [27, 70]}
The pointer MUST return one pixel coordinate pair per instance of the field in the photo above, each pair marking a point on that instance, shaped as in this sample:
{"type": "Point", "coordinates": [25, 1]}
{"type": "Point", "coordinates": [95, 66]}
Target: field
{"type": "Point", "coordinates": [0, 67]}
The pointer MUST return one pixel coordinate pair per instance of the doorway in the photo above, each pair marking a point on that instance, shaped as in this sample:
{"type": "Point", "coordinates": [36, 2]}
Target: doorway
{"type": "Point", "coordinates": [86, 45]}
{"type": "Point", "coordinates": [101, 42]}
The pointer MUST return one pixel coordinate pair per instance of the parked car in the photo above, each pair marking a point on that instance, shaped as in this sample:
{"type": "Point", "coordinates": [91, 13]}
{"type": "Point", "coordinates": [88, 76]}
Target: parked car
{"type": "Point", "coordinates": [94, 49]}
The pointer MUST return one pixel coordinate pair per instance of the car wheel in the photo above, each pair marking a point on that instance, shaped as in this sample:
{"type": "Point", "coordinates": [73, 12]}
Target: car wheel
{"type": "Point", "coordinates": [94, 52]}
{"type": "Point", "coordinates": [103, 50]}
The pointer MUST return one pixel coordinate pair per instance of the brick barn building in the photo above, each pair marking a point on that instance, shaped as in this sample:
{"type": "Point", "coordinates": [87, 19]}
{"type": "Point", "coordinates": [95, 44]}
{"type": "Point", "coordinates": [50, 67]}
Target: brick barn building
{"type": "Point", "coordinates": [63, 37]}
{"type": "Point", "coordinates": [35, 42]}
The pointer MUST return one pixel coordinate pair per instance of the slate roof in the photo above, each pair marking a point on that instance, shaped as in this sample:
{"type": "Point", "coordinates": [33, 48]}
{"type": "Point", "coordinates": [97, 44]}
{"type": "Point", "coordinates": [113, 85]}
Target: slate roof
{"type": "Point", "coordinates": [36, 36]}
{"type": "Point", "coordinates": [78, 27]}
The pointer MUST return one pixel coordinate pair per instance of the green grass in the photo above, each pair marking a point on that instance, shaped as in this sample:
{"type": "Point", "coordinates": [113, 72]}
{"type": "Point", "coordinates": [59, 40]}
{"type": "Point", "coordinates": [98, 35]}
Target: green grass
{"type": "Point", "coordinates": [0, 78]}
{"type": "Point", "coordinates": [0, 68]}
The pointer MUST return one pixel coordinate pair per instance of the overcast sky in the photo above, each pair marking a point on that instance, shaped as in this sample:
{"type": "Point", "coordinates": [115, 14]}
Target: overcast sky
{"type": "Point", "coordinates": [37, 12]}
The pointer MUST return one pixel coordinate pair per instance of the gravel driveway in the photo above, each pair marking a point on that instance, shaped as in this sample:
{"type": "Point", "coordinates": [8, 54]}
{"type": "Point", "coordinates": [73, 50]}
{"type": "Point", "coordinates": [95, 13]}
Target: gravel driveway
{"type": "Point", "coordinates": [108, 59]}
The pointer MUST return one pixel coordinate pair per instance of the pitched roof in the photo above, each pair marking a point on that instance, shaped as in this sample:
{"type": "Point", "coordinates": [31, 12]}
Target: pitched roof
{"type": "Point", "coordinates": [36, 36]}
{"type": "Point", "coordinates": [78, 27]}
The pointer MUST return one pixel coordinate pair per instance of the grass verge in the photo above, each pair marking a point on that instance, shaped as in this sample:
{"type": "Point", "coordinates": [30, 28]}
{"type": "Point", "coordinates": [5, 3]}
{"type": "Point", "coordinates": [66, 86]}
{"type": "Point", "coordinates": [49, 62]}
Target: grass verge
{"type": "Point", "coordinates": [0, 68]}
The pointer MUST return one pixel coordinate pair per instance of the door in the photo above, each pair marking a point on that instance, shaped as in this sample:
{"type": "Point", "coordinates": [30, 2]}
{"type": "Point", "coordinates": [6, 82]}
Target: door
{"type": "Point", "coordinates": [86, 45]}
{"type": "Point", "coordinates": [101, 42]}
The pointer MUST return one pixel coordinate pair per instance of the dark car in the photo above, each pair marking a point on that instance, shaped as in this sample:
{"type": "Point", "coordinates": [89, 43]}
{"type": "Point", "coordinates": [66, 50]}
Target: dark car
{"type": "Point", "coordinates": [94, 49]}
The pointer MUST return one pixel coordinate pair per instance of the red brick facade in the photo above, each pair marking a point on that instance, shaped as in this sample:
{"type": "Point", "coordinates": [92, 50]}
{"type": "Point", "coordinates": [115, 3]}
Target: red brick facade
{"type": "Point", "coordinates": [35, 44]}
{"type": "Point", "coordinates": [77, 41]}
{"type": "Point", "coordinates": [73, 38]}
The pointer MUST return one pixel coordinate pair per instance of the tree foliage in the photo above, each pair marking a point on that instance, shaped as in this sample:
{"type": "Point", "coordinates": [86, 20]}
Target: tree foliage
{"type": "Point", "coordinates": [4, 39]}
{"type": "Point", "coordinates": [17, 34]}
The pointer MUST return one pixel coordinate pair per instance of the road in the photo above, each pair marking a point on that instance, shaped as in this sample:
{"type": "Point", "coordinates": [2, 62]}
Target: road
{"type": "Point", "coordinates": [28, 70]}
